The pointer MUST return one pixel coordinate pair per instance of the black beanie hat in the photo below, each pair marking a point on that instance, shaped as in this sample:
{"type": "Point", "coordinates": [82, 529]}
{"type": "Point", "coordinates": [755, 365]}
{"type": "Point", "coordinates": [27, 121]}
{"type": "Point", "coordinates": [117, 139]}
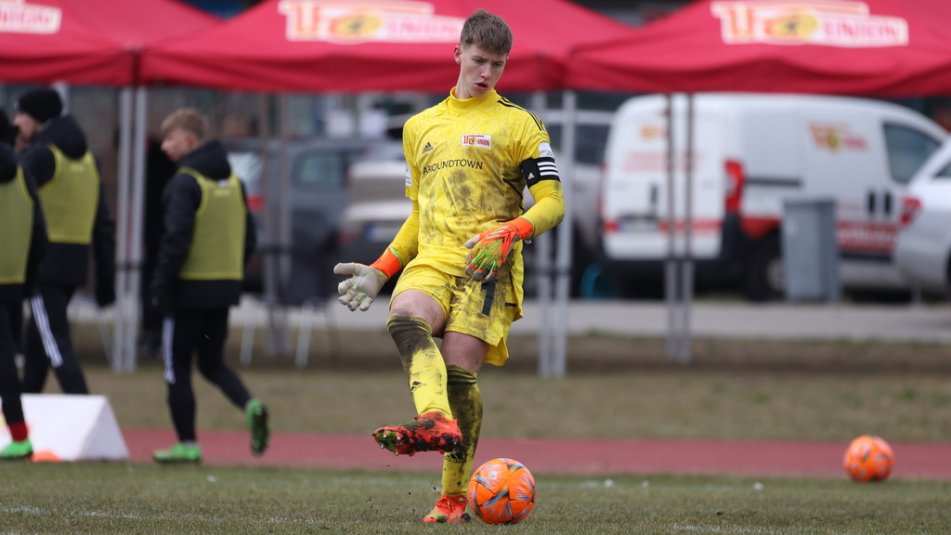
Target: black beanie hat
{"type": "Point", "coordinates": [41, 104]}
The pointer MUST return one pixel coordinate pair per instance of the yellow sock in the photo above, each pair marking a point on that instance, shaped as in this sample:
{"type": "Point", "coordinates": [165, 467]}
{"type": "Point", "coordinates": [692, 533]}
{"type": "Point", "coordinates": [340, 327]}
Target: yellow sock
{"type": "Point", "coordinates": [423, 362]}
{"type": "Point", "coordinates": [466, 402]}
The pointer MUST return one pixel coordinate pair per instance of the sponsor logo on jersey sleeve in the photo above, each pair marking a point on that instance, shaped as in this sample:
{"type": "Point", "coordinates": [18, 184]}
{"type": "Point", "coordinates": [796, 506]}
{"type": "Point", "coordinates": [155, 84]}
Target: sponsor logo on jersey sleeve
{"type": "Point", "coordinates": [544, 150]}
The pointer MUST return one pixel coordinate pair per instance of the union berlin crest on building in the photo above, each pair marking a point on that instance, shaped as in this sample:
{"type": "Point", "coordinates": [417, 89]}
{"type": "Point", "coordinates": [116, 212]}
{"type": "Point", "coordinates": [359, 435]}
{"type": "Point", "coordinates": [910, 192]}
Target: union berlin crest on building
{"type": "Point", "coordinates": [360, 22]}
{"type": "Point", "coordinates": [812, 22]}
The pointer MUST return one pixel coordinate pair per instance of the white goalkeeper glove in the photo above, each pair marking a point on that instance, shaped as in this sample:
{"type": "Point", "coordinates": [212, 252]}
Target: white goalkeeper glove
{"type": "Point", "coordinates": [362, 287]}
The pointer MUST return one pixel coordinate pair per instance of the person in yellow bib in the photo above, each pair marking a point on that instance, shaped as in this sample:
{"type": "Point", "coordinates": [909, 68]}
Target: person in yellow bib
{"type": "Point", "coordinates": [78, 222]}
{"type": "Point", "coordinates": [209, 235]}
{"type": "Point", "coordinates": [23, 235]}
{"type": "Point", "coordinates": [469, 159]}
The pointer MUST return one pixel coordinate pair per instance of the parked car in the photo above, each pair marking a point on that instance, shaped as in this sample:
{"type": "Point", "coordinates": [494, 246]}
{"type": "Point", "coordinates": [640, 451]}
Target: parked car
{"type": "Point", "coordinates": [316, 196]}
{"type": "Point", "coordinates": [377, 203]}
{"type": "Point", "coordinates": [923, 249]}
{"type": "Point", "coordinates": [587, 277]}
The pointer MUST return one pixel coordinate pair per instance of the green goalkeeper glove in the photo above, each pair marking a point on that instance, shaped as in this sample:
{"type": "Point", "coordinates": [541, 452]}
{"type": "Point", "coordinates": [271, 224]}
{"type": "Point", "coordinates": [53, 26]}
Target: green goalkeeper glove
{"type": "Point", "coordinates": [489, 250]}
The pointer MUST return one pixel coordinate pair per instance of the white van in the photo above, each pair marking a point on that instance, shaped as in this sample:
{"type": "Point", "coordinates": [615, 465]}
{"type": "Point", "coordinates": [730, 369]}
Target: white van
{"type": "Point", "coordinates": [751, 153]}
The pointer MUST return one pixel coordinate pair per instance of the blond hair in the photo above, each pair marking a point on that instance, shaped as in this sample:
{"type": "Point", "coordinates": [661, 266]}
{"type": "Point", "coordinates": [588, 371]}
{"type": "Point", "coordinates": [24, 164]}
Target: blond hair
{"type": "Point", "coordinates": [488, 31]}
{"type": "Point", "coordinates": [188, 119]}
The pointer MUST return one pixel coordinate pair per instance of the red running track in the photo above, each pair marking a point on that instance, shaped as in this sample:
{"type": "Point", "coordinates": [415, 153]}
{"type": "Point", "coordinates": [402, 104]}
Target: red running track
{"type": "Point", "coordinates": [561, 456]}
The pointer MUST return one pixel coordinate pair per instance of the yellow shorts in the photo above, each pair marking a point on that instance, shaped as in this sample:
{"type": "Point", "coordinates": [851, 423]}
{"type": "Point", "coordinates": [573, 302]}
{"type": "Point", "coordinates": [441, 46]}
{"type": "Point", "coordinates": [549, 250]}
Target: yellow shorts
{"type": "Point", "coordinates": [485, 311]}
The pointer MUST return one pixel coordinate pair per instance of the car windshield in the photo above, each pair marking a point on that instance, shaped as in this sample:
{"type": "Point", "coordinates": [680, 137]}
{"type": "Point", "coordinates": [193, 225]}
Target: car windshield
{"type": "Point", "coordinates": [590, 140]}
{"type": "Point", "coordinates": [320, 170]}
{"type": "Point", "coordinates": [316, 165]}
{"type": "Point", "coordinates": [384, 151]}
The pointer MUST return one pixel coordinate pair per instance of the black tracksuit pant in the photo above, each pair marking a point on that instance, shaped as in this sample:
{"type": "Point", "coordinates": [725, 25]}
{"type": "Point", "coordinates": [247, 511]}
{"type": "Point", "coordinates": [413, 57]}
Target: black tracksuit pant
{"type": "Point", "coordinates": [10, 387]}
{"type": "Point", "coordinates": [203, 331]}
{"type": "Point", "coordinates": [48, 343]}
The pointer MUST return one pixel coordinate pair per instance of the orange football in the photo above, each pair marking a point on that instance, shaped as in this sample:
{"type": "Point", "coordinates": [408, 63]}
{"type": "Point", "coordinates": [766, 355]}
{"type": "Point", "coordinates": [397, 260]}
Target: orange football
{"type": "Point", "coordinates": [869, 458]}
{"type": "Point", "coordinates": [502, 491]}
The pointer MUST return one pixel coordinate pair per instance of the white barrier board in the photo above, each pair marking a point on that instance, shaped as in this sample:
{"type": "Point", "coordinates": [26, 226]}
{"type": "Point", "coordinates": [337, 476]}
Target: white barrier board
{"type": "Point", "coordinates": [67, 427]}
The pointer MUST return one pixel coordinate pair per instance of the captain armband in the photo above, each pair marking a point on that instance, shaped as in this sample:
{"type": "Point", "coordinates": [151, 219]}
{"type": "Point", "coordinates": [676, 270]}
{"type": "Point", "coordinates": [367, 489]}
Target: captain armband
{"type": "Point", "coordinates": [534, 170]}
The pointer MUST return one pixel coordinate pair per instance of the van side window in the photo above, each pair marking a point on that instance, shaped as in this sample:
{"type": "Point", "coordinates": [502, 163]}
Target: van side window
{"type": "Point", "coordinates": [907, 150]}
{"type": "Point", "coordinates": [320, 171]}
{"type": "Point", "coordinates": [944, 173]}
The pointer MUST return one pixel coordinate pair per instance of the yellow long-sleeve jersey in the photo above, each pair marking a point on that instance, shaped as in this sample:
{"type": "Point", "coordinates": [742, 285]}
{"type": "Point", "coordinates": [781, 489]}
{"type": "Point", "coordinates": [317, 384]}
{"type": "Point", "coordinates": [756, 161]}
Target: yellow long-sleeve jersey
{"type": "Point", "coordinates": [468, 163]}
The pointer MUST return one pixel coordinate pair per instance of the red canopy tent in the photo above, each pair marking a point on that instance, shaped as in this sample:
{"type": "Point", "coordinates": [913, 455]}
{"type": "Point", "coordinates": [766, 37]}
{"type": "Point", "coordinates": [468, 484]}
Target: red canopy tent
{"type": "Point", "coordinates": [937, 13]}
{"type": "Point", "coordinates": [42, 43]}
{"type": "Point", "coordinates": [870, 47]}
{"type": "Point", "coordinates": [86, 41]}
{"type": "Point", "coordinates": [142, 22]}
{"type": "Point", "coordinates": [98, 42]}
{"type": "Point", "coordinates": [348, 46]}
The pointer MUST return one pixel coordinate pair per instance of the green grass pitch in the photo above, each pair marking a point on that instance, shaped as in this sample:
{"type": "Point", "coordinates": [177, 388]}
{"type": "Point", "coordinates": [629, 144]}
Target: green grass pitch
{"type": "Point", "coordinates": [131, 499]}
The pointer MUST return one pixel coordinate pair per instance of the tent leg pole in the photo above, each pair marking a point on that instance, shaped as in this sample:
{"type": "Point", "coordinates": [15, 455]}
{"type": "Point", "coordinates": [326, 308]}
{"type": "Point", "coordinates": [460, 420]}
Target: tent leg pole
{"type": "Point", "coordinates": [565, 231]}
{"type": "Point", "coordinates": [122, 229]}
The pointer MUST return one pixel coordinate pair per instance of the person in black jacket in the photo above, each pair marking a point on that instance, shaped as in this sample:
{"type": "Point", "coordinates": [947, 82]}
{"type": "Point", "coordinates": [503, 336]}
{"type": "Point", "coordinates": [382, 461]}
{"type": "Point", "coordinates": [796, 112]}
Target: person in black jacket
{"type": "Point", "coordinates": [77, 219]}
{"type": "Point", "coordinates": [23, 234]}
{"type": "Point", "coordinates": [209, 236]}
{"type": "Point", "coordinates": [158, 171]}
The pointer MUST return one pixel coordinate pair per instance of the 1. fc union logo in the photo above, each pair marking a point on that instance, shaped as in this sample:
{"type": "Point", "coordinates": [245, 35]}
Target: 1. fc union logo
{"type": "Point", "coordinates": [16, 16]}
{"type": "Point", "coordinates": [359, 22]}
{"type": "Point", "coordinates": [816, 22]}
{"type": "Point", "coordinates": [482, 141]}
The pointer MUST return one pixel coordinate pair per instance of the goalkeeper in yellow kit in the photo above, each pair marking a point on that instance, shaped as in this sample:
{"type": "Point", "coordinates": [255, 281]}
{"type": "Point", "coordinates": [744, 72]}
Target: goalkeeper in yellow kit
{"type": "Point", "coordinates": [469, 159]}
